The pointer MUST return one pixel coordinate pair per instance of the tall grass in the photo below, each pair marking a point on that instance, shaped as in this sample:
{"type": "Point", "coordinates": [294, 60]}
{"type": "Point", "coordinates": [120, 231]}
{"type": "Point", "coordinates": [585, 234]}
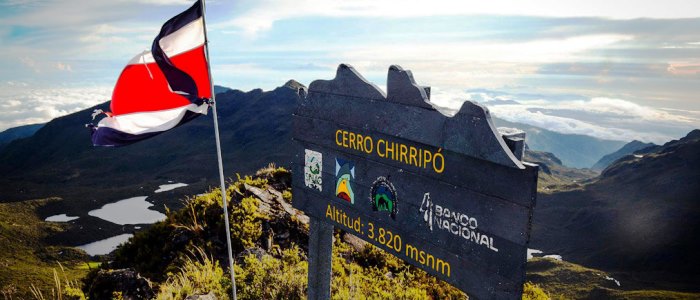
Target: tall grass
{"type": "Point", "coordinates": [63, 289]}
{"type": "Point", "coordinates": [199, 274]}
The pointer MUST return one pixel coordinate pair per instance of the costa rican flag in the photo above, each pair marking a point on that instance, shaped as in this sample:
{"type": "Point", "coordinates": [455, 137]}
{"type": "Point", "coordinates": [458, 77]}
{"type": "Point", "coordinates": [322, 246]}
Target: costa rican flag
{"type": "Point", "coordinates": [160, 89]}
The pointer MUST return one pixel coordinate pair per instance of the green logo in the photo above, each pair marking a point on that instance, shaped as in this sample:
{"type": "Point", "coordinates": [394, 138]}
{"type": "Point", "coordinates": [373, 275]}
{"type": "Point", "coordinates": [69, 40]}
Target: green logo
{"type": "Point", "coordinates": [383, 197]}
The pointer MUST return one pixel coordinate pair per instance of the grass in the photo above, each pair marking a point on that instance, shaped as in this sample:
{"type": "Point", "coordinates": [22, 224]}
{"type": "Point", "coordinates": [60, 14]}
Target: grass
{"type": "Point", "coordinates": [200, 274]}
{"type": "Point", "coordinates": [565, 280]}
{"type": "Point", "coordinates": [89, 265]}
{"type": "Point", "coordinates": [26, 263]}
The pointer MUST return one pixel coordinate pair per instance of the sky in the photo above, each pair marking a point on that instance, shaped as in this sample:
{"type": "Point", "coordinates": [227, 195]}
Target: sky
{"type": "Point", "coordinates": [618, 70]}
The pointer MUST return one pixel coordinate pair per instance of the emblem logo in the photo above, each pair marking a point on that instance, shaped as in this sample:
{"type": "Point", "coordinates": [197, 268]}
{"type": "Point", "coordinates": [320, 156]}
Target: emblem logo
{"type": "Point", "coordinates": [345, 176]}
{"type": "Point", "coordinates": [383, 197]}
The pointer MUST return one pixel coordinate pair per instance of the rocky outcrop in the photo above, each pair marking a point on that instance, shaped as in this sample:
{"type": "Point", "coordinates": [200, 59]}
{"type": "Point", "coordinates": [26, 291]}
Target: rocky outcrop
{"type": "Point", "coordinates": [124, 282]}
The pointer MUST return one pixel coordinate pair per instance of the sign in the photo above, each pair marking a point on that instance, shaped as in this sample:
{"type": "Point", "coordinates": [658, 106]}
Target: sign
{"type": "Point", "coordinates": [444, 193]}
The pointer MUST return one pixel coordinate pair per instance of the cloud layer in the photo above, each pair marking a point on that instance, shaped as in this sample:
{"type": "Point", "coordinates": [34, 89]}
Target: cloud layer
{"type": "Point", "coordinates": [605, 118]}
{"type": "Point", "coordinates": [21, 104]}
{"type": "Point", "coordinates": [621, 69]}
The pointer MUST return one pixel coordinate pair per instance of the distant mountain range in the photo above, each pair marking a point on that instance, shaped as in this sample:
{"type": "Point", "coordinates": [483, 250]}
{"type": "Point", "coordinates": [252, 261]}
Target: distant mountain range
{"type": "Point", "coordinates": [574, 150]}
{"type": "Point", "coordinates": [19, 132]}
{"type": "Point", "coordinates": [59, 160]}
{"type": "Point", "coordinates": [641, 215]}
{"type": "Point", "coordinates": [627, 149]}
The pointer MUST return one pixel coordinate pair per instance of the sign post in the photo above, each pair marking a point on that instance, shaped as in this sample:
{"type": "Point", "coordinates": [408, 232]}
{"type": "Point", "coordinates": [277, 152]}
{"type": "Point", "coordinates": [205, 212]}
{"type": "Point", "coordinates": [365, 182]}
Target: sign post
{"type": "Point", "coordinates": [444, 193]}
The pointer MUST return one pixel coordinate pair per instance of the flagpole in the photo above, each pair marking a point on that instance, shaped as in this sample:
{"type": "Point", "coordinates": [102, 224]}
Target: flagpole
{"type": "Point", "coordinates": [218, 153]}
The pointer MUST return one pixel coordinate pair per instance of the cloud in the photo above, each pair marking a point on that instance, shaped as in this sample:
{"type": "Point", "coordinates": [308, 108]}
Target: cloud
{"type": "Point", "coordinates": [30, 63]}
{"type": "Point", "coordinates": [261, 15]}
{"type": "Point", "coordinates": [684, 68]}
{"type": "Point", "coordinates": [605, 118]}
{"type": "Point", "coordinates": [63, 67]}
{"type": "Point", "coordinates": [23, 105]}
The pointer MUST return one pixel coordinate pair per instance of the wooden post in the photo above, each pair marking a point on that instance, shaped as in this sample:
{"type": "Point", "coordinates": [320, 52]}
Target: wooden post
{"type": "Point", "coordinates": [320, 255]}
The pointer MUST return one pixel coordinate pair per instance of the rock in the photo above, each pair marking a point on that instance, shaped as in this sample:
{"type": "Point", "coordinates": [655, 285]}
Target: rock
{"type": "Point", "coordinates": [258, 252]}
{"type": "Point", "coordinates": [355, 242]}
{"type": "Point", "coordinates": [125, 281]}
{"type": "Point", "coordinates": [272, 203]}
{"type": "Point", "coordinates": [209, 296]}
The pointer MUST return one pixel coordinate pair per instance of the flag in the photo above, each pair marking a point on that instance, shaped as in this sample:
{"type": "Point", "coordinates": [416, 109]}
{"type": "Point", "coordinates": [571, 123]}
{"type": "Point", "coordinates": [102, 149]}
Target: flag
{"type": "Point", "coordinates": [160, 89]}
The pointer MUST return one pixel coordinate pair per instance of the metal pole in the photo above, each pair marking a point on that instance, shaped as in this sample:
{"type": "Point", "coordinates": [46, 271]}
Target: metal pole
{"type": "Point", "coordinates": [218, 154]}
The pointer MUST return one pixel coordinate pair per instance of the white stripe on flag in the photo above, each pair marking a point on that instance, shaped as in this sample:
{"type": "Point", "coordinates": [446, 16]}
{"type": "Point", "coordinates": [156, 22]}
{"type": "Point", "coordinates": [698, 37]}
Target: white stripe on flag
{"type": "Point", "coordinates": [152, 121]}
{"type": "Point", "coordinates": [184, 39]}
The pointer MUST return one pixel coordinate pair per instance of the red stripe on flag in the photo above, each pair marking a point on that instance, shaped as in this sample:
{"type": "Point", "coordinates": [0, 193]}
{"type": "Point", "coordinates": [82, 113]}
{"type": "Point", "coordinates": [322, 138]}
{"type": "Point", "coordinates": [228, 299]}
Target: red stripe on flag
{"type": "Point", "coordinates": [136, 91]}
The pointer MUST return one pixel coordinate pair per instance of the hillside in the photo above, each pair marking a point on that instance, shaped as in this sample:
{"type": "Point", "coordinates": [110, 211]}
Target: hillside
{"type": "Point", "coordinates": [26, 259]}
{"type": "Point", "coordinates": [59, 160]}
{"type": "Point", "coordinates": [554, 175]}
{"type": "Point", "coordinates": [19, 132]}
{"type": "Point", "coordinates": [565, 280]}
{"type": "Point", "coordinates": [639, 218]}
{"type": "Point", "coordinates": [627, 149]}
{"type": "Point", "coordinates": [185, 255]}
{"type": "Point", "coordinates": [269, 238]}
{"type": "Point", "coordinates": [574, 150]}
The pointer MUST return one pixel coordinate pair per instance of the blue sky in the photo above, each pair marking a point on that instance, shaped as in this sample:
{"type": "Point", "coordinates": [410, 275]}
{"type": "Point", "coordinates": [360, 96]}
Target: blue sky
{"type": "Point", "coordinates": [616, 70]}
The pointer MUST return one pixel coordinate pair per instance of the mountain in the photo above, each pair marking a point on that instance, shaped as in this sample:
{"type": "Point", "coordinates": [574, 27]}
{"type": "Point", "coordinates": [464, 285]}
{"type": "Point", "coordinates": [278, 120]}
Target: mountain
{"type": "Point", "coordinates": [574, 150]}
{"type": "Point", "coordinates": [553, 174]}
{"type": "Point", "coordinates": [59, 160]}
{"type": "Point", "coordinates": [19, 132]}
{"type": "Point", "coordinates": [641, 217]}
{"type": "Point", "coordinates": [627, 149]}
{"type": "Point", "coordinates": [220, 89]}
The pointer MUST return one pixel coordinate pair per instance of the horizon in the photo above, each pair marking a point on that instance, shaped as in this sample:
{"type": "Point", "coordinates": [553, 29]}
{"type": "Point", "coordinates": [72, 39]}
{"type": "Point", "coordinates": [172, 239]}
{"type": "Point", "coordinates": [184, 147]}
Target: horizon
{"type": "Point", "coordinates": [618, 71]}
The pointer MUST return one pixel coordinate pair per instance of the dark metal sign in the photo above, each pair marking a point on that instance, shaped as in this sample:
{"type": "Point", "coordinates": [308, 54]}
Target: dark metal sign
{"type": "Point", "coordinates": [446, 194]}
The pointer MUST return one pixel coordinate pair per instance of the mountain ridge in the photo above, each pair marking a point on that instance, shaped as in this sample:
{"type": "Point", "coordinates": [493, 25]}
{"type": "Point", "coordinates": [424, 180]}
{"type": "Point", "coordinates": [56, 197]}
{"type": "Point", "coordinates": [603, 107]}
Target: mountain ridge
{"type": "Point", "coordinates": [19, 132]}
{"type": "Point", "coordinates": [641, 215]}
{"type": "Point", "coordinates": [574, 150]}
{"type": "Point", "coordinates": [627, 149]}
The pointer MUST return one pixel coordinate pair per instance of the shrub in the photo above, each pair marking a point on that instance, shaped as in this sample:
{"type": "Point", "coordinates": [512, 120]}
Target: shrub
{"type": "Point", "coordinates": [533, 292]}
{"type": "Point", "coordinates": [200, 274]}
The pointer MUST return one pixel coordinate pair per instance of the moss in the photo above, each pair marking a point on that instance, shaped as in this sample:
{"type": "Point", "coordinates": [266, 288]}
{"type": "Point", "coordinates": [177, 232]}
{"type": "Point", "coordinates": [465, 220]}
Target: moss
{"type": "Point", "coordinates": [246, 226]}
{"type": "Point", "coordinates": [26, 262]}
{"type": "Point", "coordinates": [534, 292]}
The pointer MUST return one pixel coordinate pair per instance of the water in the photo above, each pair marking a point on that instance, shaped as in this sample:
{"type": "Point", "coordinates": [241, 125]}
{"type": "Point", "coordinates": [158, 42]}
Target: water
{"type": "Point", "coordinates": [169, 187]}
{"type": "Point", "coordinates": [613, 279]}
{"type": "Point", "coordinates": [128, 211]}
{"type": "Point", "coordinates": [538, 253]}
{"type": "Point", "coordinates": [60, 218]}
{"type": "Point", "coordinates": [105, 246]}
{"type": "Point", "coordinates": [553, 256]}
{"type": "Point", "coordinates": [530, 253]}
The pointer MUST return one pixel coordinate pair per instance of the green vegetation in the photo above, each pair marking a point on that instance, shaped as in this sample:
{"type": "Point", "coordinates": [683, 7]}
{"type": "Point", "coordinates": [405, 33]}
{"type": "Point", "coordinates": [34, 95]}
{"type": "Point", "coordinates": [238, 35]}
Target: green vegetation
{"type": "Point", "coordinates": [565, 280]}
{"type": "Point", "coordinates": [534, 292]}
{"type": "Point", "coordinates": [28, 264]}
{"type": "Point", "coordinates": [370, 273]}
{"type": "Point", "coordinates": [554, 176]}
{"type": "Point", "coordinates": [200, 274]}
{"type": "Point", "coordinates": [185, 254]}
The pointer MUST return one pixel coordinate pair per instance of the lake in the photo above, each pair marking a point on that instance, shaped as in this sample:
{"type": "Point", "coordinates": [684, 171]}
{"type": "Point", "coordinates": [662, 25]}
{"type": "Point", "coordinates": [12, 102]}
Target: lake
{"type": "Point", "coordinates": [60, 218]}
{"type": "Point", "coordinates": [105, 246]}
{"type": "Point", "coordinates": [134, 210]}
